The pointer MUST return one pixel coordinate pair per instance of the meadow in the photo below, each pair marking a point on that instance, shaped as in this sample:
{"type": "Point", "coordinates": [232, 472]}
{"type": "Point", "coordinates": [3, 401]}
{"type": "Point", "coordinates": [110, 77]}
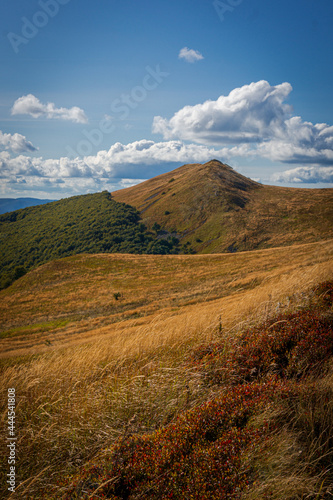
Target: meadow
{"type": "Point", "coordinates": [175, 376]}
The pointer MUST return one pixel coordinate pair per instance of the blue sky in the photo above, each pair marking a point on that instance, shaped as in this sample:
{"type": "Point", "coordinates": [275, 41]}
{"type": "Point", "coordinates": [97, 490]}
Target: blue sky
{"type": "Point", "coordinates": [101, 95]}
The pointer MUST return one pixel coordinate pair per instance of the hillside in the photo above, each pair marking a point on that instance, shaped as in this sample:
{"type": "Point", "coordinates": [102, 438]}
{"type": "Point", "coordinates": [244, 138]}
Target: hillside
{"type": "Point", "coordinates": [194, 209]}
{"type": "Point", "coordinates": [172, 376]}
{"type": "Point", "coordinates": [90, 223]}
{"type": "Point", "coordinates": [83, 297]}
{"type": "Point", "coordinates": [216, 209]}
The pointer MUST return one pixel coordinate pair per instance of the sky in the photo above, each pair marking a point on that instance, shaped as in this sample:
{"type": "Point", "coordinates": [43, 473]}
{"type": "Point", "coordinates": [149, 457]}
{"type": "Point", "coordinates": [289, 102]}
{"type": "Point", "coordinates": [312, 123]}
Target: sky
{"type": "Point", "coordinates": [104, 94]}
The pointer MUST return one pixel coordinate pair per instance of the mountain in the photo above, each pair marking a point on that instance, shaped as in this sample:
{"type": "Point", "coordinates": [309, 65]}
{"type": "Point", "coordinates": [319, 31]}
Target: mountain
{"type": "Point", "coordinates": [11, 204]}
{"type": "Point", "coordinates": [196, 208]}
{"type": "Point", "coordinates": [93, 223]}
{"type": "Point", "coordinates": [212, 208]}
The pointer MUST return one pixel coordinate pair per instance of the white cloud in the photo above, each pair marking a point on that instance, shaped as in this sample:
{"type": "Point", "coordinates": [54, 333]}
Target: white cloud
{"type": "Point", "coordinates": [146, 152]}
{"type": "Point", "coordinates": [16, 143]}
{"type": "Point", "coordinates": [190, 55]}
{"type": "Point", "coordinates": [30, 105]}
{"type": "Point", "coordinates": [257, 115]}
{"type": "Point", "coordinates": [136, 157]}
{"type": "Point", "coordinates": [301, 142]}
{"type": "Point", "coordinates": [307, 175]}
{"type": "Point", "coordinates": [247, 114]}
{"type": "Point", "coordinates": [121, 166]}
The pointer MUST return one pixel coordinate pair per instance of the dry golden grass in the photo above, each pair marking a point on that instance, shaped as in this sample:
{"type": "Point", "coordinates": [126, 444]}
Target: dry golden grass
{"type": "Point", "coordinates": [295, 463]}
{"type": "Point", "coordinates": [72, 301]}
{"type": "Point", "coordinates": [117, 366]}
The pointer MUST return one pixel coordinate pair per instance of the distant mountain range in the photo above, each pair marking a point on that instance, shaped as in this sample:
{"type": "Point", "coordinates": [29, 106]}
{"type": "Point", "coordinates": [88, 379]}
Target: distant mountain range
{"type": "Point", "coordinates": [11, 204]}
{"type": "Point", "coordinates": [215, 209]}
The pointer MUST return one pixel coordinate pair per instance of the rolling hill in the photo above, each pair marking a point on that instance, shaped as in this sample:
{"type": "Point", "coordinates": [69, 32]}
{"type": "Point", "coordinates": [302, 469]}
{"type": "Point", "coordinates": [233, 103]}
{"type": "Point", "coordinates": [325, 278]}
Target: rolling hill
{"type": "Point", "coordinates": [84, 297]}
{"type": "Point", "coordinates": [216, 209]}
{"type": "Point", "coordinates": [196, 208]}
{"type": "Point", "coordinates": [90, 223]}
{"type": "Point", "coordinates": [197, 369]}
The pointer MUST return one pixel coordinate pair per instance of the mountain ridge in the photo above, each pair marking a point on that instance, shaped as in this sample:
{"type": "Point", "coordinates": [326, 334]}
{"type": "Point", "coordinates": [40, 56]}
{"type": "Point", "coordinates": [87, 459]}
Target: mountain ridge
{"type": "Point", "coordinates": [217, 209]}
{"type": "Point", "coordinates": [197, 208]}
{"type": "Point", "coordinates": [91, 223]}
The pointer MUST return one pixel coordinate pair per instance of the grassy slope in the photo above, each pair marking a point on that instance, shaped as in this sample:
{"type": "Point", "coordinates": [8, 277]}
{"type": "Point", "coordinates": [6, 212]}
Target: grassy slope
{"type": "Point", "coordinates": [224, 209]}
{"type": "Point", "coordinates": [131, 384]}
{"type": "Point", "coordinates": [211, 452]}
{"type": "Point", "coordinates": [72, 299]}
{"type": "Point", "coordinates": [134, 382]}
{"type": "Point", "coordinates": [90, 223]}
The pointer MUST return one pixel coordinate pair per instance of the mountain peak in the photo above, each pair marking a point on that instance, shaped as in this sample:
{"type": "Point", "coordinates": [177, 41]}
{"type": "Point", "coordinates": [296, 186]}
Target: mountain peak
{"type": "Point", "coordinates": [217, 209]}
{"type": "Point", "coordinates": [226, 175]}
{"type": "Point", "coordinates": [189, 196]}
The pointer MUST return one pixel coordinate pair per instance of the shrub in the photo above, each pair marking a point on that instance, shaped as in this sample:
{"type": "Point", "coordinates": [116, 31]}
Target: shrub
{"type": "Point", "coordinates": [156, 227]}
{"type": "Point", "coordinates": [199, 455]}
{"type": "Point", "coordinates": [19, 271]}
{"type": "Point", "coordinates": [289, 346]}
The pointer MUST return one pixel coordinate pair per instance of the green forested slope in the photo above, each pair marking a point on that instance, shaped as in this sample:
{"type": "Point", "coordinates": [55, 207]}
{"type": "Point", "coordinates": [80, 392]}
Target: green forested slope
{"type": "Point", "coordinates": [91, 223]}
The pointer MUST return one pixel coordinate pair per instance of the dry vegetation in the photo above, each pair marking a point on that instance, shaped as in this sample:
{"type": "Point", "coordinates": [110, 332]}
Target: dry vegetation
{"type": "Point", "coordinates": [104, 382]}
{"type": "Point", "coordinates": [216, 209]}
{"type": "Point", "coordinates": [72, 300]}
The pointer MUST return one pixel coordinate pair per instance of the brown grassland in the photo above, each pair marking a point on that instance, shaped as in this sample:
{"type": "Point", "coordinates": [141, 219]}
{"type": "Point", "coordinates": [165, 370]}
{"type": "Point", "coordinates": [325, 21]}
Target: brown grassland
{"type": "Point", "coordinates": [72, 300]}
{"type": "Point", "coordinates": [95, 347]}
{"type": "Point", "coordinates": [216, 209]}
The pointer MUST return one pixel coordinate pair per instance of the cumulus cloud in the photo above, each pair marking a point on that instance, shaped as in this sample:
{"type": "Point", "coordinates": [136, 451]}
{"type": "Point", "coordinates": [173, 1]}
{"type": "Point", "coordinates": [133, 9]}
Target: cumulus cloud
{"type": "Point", "coordinates": [30, 105]}
{"type": "Point", "coordinates": [146, 152]}
{"type": "Point", "coordinates": [257, 115]}
{"type": "Point", "coordinates": [112, 163]}
{"type": "Point", "coordinates": [16, 143]}
{"type": "Point", "coordinates": [121, 166]}
{"type": "Point", "coordinates": [247, 114]}
{"type": "Point", "coordinates": [190, 55]}
{"type": "Point", "coordinates": [307, 175]}
{"type": "Point", "coordinates": [301, 142]}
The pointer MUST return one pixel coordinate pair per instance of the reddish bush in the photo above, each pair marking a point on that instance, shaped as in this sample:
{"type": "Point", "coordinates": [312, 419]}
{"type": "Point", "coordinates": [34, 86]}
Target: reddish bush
{"type": "Point", "coordinates": [200, 455]}
{"type": "Point", "coordinates": [289, 346]}
{"type": "Point", "coordinates": [324, 294]}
